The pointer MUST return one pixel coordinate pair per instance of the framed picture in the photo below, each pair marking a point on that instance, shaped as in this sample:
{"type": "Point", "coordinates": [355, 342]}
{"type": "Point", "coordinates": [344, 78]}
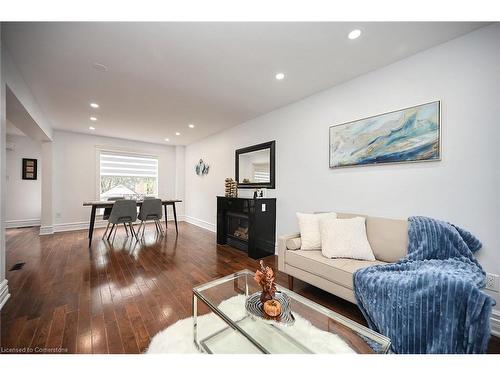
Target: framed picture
{"type": "Point", "coordinates": [407, 135]}
{"type": "Point", "coordinates": [29, 170]}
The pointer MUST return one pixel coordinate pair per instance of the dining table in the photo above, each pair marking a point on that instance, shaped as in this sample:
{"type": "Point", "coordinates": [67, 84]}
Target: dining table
{"type": "Point", "coordinates": [109, 204]}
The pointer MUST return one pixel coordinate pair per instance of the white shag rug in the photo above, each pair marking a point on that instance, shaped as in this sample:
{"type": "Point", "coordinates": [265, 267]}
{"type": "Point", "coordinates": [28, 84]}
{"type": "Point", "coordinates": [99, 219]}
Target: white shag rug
{"type": "Point", "coordinates": [178, 338]}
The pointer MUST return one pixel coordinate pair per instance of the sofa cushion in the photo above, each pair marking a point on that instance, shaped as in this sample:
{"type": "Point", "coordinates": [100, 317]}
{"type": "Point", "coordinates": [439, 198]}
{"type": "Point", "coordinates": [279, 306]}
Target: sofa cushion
{"type": "Point", "coordinates": [293, 243]}
{"type": "Point", "coordinates": [345, 238]}
{"type": "Point", "coordinates": [388, 238]}
{"type": "Point", "coordinates": [309, 229]}
{"type": "Point", "coordinates": [338, 270]}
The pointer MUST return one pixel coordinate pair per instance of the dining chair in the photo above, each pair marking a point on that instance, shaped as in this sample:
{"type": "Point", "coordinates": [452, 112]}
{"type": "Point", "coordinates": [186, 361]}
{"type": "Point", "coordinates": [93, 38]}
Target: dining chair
{"type": "Point", "coordinates": [151, 209]}
{"type": "Point", "coordinates": [124, 212]}
{"type": "Point", "coordinates": [107, 212]}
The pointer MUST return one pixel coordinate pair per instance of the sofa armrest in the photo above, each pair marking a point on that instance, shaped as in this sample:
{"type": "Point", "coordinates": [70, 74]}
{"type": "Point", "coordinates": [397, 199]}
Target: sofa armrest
{"type": "Point", "coordinates": [282, 249]}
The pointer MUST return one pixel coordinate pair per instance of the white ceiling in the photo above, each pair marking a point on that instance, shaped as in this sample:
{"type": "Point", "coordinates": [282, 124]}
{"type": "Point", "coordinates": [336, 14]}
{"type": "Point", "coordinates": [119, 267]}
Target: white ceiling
{"type": "Point", "coordinates": [163, 76]}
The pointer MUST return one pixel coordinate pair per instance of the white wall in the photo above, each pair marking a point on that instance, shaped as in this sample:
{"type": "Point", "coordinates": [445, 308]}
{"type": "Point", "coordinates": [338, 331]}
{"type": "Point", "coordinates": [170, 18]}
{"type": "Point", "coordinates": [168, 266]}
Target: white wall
{"type": "Point", "coordinates": [75, 167]}
{"type": "Point", "coordinates": [23, 205]}
{"type": "Point", "coordinates": [180, 169]}
{"type": "Point", "coordinates": [47, 214]}
{"type": "Point", "coordinates": [463, 188]}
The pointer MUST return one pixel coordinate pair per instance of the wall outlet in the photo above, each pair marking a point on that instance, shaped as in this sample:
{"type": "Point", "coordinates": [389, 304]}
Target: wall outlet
{"type": "Point", "coordinates": [492, 282]}
{"type": "Point", "coordinates": [263, 207]}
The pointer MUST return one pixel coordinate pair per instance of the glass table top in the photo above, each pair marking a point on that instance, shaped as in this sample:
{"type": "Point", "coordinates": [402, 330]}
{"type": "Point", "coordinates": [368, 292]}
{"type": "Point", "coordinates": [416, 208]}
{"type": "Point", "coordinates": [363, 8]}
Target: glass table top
{"type": "Point", "coordinates": [316, 329]}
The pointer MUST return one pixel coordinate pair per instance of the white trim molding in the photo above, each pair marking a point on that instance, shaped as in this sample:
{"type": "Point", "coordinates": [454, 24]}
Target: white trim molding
{"type": "Point", "coordinates": [47, 229]}
{"type": "Point", "coordinates": [68, 227]}
{"type": "Point", "coordinates": [200, 223]}
{"type": "Point", "coordinates": [495, 322]}
{"type": "Point", "coordinates": [170, 217]}
{"type": "Point", "coordinates": [84, 225]}
{"type": "Point", "coordinates": [22, 223]}
{"type": "Point", "coordinates": [4, 293]}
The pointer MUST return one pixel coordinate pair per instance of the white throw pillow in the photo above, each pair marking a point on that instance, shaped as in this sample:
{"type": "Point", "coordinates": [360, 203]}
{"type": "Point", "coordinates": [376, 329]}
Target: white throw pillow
{"type": "Point", "coordinates": [345, 238]}
{"type": "Point", "coordinates": [310, 236]}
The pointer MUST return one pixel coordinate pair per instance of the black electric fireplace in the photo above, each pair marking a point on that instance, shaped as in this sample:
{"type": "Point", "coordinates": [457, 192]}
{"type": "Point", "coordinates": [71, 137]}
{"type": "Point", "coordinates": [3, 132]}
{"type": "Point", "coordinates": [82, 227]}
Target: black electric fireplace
{"type": "Point", "coordinates": [247, 224]}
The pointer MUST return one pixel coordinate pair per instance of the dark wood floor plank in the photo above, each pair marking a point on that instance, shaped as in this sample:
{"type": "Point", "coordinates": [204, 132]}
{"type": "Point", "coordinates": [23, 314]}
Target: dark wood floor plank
{"type": "Point", "coordinates": [70, 331]}
{"type": "Point", "coordinates": [84, 316]}
{"type": "Point", "coordinates": [113, 337]}
{"type": "Point", "coordinates": [99, 339]}
{"type": "Point", "coordinates": [42, 331]}
{"type": "Point", "coordinates": [57, 328]}
{"type": "Point", "coordinates": [117, 296]}
{"type": "Point", "coordinates": [14, 332]}
{"type": "Point", "coordinates": [84, 343]}
{"type": "Point", "coordinates": [141, 333]}
{"type": "Point", "coordinates": [126, 331]}
{"type": "Point", "coordinates": [28, 333]}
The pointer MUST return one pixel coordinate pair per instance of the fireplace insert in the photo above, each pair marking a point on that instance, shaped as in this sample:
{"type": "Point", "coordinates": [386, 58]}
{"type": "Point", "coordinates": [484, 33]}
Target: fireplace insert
{"type": "Point", "coordinates": [237, 230]}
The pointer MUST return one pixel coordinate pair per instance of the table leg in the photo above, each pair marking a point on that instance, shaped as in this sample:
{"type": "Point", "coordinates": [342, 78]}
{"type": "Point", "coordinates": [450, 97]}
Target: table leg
{"type": "Point", "coordinates": [175, 218]}
{"type": "Point", "coordinates": [165, 207]}
{"type": "Point", "coordinates": [91, 227]}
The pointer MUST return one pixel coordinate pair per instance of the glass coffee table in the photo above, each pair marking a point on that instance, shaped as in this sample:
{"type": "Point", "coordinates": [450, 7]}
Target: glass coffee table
{"type": "Point", "coordinates": [222, 325]}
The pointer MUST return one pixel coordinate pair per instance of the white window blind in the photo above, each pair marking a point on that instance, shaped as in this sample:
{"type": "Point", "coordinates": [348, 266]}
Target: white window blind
{"type": "Point", "coordinates": [261, 172]}
{"type": "Point", "coordinates": [123, 174]}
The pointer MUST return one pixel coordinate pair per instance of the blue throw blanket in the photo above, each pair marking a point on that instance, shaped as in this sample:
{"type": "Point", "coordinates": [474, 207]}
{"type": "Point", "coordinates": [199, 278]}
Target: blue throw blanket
{"type": "Point", "coordinates": [430, 301]}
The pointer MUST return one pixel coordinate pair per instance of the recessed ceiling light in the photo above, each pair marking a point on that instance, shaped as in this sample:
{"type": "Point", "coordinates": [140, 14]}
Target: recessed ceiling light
{"type": "Point", "coordinates": [191, 126]}
{"type": "Point", "coordinates": [177, 133]}
{"type": "Point", "coordinates": [91, 128]}
{"type": "Point", "coordinates": [100, 67]}
{"type": "Point", "coordinates": [279, 76]}
{"type": "Point", "coordinates": [94, 105]}
{"type": "Point", "coordinates": [167, 139]}
{"type": "Point", "coordinates": [93, 118]}
{"type": "Point", "coordinates": [354, 34]}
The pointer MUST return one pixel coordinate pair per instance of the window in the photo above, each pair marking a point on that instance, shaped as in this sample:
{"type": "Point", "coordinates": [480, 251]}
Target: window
{"type": "Point", "coordinates": [123, 174]}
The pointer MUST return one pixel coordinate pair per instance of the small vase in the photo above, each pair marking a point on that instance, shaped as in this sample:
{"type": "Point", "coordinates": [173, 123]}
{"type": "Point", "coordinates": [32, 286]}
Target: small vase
{"type": "Point", "coordinates": [266, 296]}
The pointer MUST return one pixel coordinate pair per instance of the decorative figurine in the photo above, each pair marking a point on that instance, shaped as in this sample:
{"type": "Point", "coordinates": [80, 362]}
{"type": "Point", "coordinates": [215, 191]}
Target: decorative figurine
{"type": "Point", "coordinates": [265, 278]}
{"type": "Point", "coordinates": [231, 188]}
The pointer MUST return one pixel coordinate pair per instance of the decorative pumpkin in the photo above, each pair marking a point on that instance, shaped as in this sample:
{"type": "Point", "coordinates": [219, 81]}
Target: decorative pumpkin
{"type": "Point", "coordinates": [272, 308]}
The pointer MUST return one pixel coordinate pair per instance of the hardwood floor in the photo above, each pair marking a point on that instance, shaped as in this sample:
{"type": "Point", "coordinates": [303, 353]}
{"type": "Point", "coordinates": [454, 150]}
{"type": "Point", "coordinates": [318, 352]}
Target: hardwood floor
{"type": "Point", "coordinates": [114, 299]}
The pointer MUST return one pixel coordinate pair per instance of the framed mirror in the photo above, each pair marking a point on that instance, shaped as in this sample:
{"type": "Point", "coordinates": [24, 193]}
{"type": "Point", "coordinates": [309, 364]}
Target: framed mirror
{"type": "Point", "coordinates": [254, 166]}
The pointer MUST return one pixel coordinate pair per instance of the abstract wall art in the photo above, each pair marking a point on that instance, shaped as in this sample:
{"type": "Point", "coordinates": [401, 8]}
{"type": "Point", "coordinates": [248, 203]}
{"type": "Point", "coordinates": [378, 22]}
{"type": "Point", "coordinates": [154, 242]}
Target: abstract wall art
{"type": "Point", "coordinates": [201, 168]}
{"type": "Point", "coordinates": [408, 135]}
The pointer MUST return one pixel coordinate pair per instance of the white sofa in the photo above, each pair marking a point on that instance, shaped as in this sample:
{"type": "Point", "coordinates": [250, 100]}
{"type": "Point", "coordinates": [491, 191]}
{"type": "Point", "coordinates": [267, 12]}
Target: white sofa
{"type": "Point", "coordinates": [388, 239]}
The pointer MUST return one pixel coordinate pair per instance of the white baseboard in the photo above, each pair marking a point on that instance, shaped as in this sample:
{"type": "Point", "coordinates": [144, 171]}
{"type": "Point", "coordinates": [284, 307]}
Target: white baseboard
{"type": "Point", "coordinates": [179, 218]}
{"type": "Point", "coordinates": [68, 227]}
{"type": "Point", "coordinates": [22, 223]}
{"type": "Point", "coordinates": [495, 323]}
{"type": "Point", "coordinates": [200, 223]}
{"type": "Point", "coordinates": [46, 229]}
{"type": "Point", "coordinates": [84, 225]}
{"type": "Point", "coordinates": [4, 293]}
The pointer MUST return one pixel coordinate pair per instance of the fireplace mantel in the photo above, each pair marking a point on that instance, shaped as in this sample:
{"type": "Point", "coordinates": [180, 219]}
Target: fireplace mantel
{"type": "Point", "coordinates": [247, 224]}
